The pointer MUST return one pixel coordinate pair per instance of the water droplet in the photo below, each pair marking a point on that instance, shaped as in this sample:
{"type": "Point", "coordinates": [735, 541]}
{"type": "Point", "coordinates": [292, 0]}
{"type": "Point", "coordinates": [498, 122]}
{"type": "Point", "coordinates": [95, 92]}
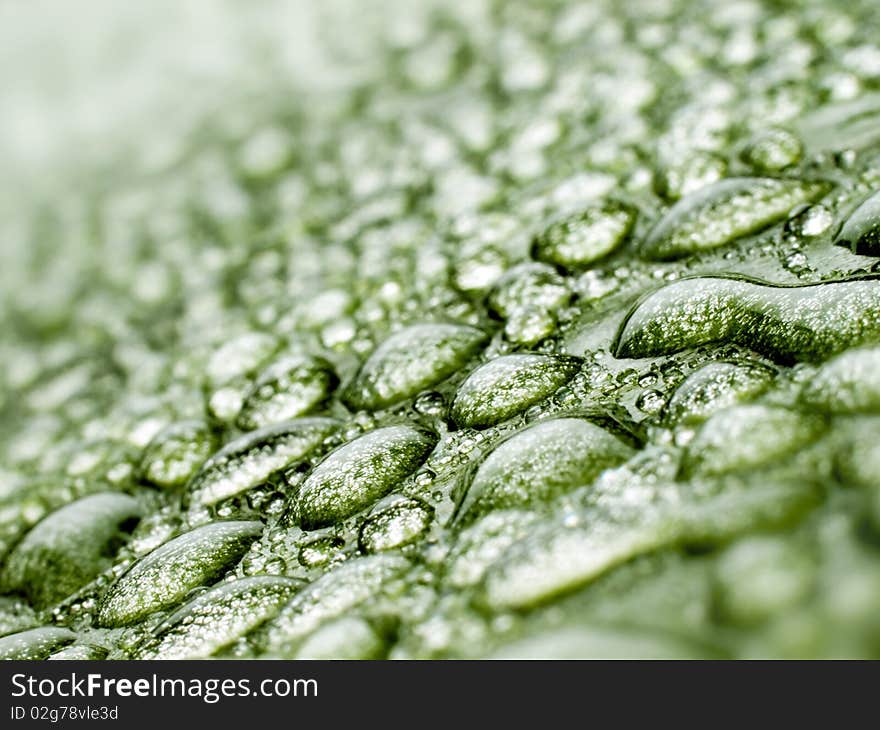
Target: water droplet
{"type": "Point", "coordinates": [395, 525]}
{"type": "Point", "coordinates": [217, 618]}
{"type": "Point", "coordinates": [539, 463]}
{"type": "Point", "coordinates": [176, 452]}
{"type": "Point", "coordinates": [336, 592]}
{"type": "Point", "coordinates": [617, 525]}
{"type": "Point", "coordinates": [861, 230]}
{"type": "Point", "coordinates": [507, 385]}
{"type": "Point", "coordinates": [410, 361]}
{"type": "Point", "coordinates": [720, 213]}
{"type": "Point", "coordinates": [748, 436]}
{"type": "Point", "coordinates": [251, 459]}
{"type": "Point", "coordinates": [650, 401]}
{"type": "Point", "coordinates": [34, 644]}
{"type": "Point", "coordinates": [579, 240]}
{"type": "Point", "coordinates": [162, 578]}
{"type": "Point", "coordinates": [799, 323]}
{"type": "Point", "coordinates": [773, 151]}
{"type": "Point", "coordinates": [714, 387]}
{"type": "Point", "coordinates": [849, 383]}
{"type": "Point", "coordinates": [359, 473]}
{"type": "Point", "coordinates": [288, 388]}
{"type": "Point", "coordinates": [69, 548]}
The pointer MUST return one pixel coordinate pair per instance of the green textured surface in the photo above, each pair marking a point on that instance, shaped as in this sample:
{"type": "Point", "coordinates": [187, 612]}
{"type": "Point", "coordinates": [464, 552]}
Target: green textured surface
{"type": "Point", "coordinates": [441, 329]}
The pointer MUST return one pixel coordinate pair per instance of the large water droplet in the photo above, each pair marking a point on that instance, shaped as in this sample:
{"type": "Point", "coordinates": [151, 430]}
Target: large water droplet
{"type": "Point", "coordinates": [251, 459]}
{"type": "Point", "coordinates": [360, 472]}
{"type": "Point", "coordinates": [34, 644]}
{"type": "Point", "coordinates": [218, 617]}
{"type": "Point", "coordinates": [539, 463]}
{"type": "Point", "coordinates": [800, 323]}
{"type": "Point", "coordinates": [334, 593]}
{"type": "Point", "coordinates": [861, 230]}
{"type": "Point", "coordinates": [160, 579]}
{"type": "Point", "coordinates": [509, 384]}
{"type": "Point", "coordinates": [176, 452]}
{"type": "Point", "coordinates": [288, 388]}
{"type": "Point", "coordinates": [579, 240]}
{"type": "Point", "coordinates": [719, 214]}
{"type": "Point", "coordinates": [410, 361]}
{"type": "Point", "coordinates": [748, 436]}
{"type": "Point", "coordinates": [714, 387]}
{"type": "Point", "coordinates": [70, 547]}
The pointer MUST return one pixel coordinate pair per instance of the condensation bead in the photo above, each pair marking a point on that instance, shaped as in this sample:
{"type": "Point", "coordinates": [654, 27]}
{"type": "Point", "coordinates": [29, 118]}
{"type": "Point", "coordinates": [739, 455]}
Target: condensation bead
{"type": "Point", "coordinates": [218, 617]}
{"type": "Point", "coordinates": [749, 436]}
{"type": "Point", "coordinates": [714, 387]}
{"type": "Point", "coordinates": [250, 460]}
{"type": "Point", "coordinates": [333, 594]}
{"type": "Point", "coordinates": [560, 555]}
{"type": "Point", "coordinates": [773, 151]}
{"type": "Point", "coordinates": [229, 369]}
{"type": "Point", "coordinates": [239, 356]}
{"type": "Point", "coordinates": [577, 241]}
{"type": "Point", "coordinates": [523, 332]}
{"type": "Point", "coordinates": [508, 385]}
{"type": "Point", "coordinates": [80, 652]}
{"type": "Point", "coordinates": [176, 452]}
{"type": "Point", "coordinates": [70, 547]}
{"type": "Point", "coordinates": [16, 614]}
{"type": "Point", "coordinates": [529, 286]}
{"type": "Point", "coordinates": [861, 230]}
{"type": "Point", "coordinates": [288, 388]}
{"type": "Point", "coordinates": [349, 637]}
{"type": "Point", "coordinates": [849, 383]}
{"type": "Point", "coordinates": [359, 473]}
{"type": "Point", "coordinates": [788, 324]}
{"type": "Point", "coordinates": [693, 173]}
{"type": "Point", "coordinates": [479, 545]}
{"type": "Point", "coordinates": [720, 213]}
{"type": "Point", "coordinates": [163, 577]}
{"type": "Point", "coordinates": [540, 463]}
{"type": "Point", "coordinates": [410, 361]}
{"type": "Point", "coordinates": [758, 578]}
{"type": "Point", "coordinates": [34, 644]}
{"type": "Point", "coordinates": [394, 525]}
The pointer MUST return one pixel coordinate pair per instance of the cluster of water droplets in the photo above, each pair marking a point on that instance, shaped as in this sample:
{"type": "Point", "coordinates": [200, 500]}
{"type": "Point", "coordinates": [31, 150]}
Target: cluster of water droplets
{"type": "Point", "coordinates": [550, 333]}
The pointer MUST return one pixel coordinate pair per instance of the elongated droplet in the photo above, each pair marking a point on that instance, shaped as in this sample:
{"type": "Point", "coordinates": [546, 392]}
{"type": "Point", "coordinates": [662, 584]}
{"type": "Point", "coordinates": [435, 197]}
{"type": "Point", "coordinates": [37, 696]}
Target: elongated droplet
{"type": "Point", "coordinates": [288, 388]}
{"type": "Point", "coordinates": [251, 459]}
{"type": "Point", "coordinates": [539, 463]}
{"type": "Point", "coordinates": [788, 324]}
{"type": "Point", "coordinates": [70, 547]}
{"type": "Point", "coordinates": [333, 594]}
{"type": "Point", "coordinates": [849, 383]}
{"type": "Point", "coordinates": [410, 361]}
{"type": "Point", "coordinates": [861, 231]}
{"type": "Point", "coordinates": [360, 472]}
{"type": "Point", "coordinates": [618, 525]}
{"type": "Point", "coordinates": [160, 579]}
{"type": "Point", "coordinates": [34, 644]}
{"type": "Point", "coordinates": [720, 213]}
{"type": "Point", "coordinates": [714, 387]}
{"type": "Point", "coordinates": [581, 239]}
{"type": "Point", "coordinates": [747, 436]}
{"type": "Point", "coordinates": [176, 452]}
{"type": "Point", "coordinates": [400, 523]}
{"type": "Point", "coordinates": [218, 617]}
{"type": "Point", "coordinates": [349, 637]}
{"type": "Point", "coordinates": [509, 384]}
